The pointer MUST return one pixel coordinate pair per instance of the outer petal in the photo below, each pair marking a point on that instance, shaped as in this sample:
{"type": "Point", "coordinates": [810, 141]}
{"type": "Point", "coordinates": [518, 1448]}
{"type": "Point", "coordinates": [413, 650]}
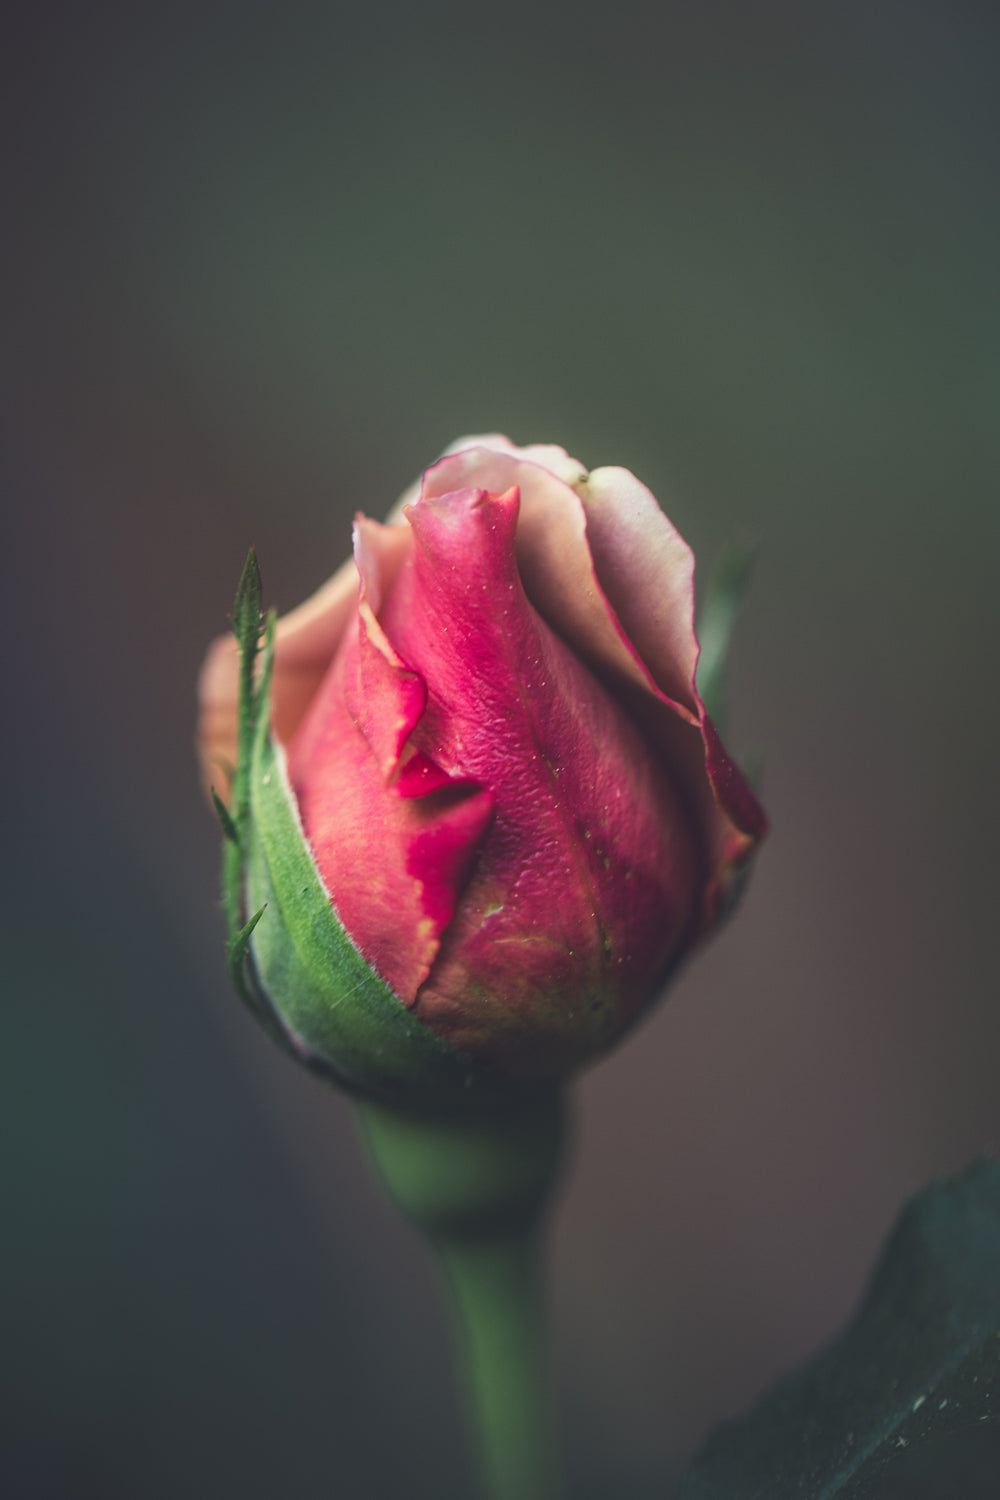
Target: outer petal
{"type": "Point", "coordinates": [583, 888]}
{"type": "Point", "coordinates": [393, 849]}
{"type": "Point", "coordinates": [553, 556]}
{"type": "Point", "coordinates": [608, 571]}
{"type": "Point", "coordinates": [646, 571]}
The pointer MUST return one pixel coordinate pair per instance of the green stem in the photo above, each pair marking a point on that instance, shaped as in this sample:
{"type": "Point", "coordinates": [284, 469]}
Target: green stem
{"type": "Point", "coordinates": [478, 1189]}
{"type": "Point", "coordinates": [496, 1283]}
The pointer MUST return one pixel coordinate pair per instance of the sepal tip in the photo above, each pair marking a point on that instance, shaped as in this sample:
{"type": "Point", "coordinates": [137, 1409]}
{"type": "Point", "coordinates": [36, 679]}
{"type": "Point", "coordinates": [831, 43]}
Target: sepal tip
{"type": "Point", "coordinates": [247, 607]}
{"type": "Point", "coordinates": [226, 823]}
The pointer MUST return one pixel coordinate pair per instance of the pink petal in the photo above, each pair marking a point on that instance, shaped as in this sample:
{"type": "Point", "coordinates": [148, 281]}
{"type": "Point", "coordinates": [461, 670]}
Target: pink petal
{"type": "Point", "coordinates": [305, 642]}
{"type": "Point", "coordinates": [607, 570]}
{"type": "Point", "coordinates": [646, 571]}
{"type": "Point", "coordinates": [393, 835]}
{"type": "Point", "coordinates": [582, 890]}
{"type": "Point", "coordinates": [384, 697]}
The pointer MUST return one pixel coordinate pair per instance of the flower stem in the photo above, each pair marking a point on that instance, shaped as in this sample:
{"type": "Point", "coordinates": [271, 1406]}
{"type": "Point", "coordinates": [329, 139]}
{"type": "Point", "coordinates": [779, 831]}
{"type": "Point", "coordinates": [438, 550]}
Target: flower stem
{"type": "Point", "coordinates": [478, 1189]}
{"type": "Point", "coordinates": [496, 1284]}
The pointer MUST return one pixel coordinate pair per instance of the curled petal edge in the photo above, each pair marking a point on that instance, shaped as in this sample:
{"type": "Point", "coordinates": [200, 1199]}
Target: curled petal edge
{"type": "Point", "coordinates": [609, 572]}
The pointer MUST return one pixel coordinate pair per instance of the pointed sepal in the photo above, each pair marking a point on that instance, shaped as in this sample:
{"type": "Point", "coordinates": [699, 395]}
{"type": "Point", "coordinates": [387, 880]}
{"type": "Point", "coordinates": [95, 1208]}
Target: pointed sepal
{"type": "Point", "coordinates": [247, 622]}
{"type": "Point", "coordinates": [247, 608]}
{"type": "Point", "coordinates": [236, 954]}
{"type": "Point", "coordinates": [229, 829]}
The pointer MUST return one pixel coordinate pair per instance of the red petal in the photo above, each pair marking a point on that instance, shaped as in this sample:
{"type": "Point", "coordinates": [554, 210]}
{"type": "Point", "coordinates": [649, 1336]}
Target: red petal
{"type": "Point", "coordinates": [583, 888]}
{"type": "Point", "coordinates": [608, 571]}
{"type": "Point", "coordinates": [393, 836]}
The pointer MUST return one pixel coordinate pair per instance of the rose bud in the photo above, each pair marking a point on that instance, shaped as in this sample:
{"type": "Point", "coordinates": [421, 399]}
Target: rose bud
{"type": "Point", "coordinates": [476, 785]}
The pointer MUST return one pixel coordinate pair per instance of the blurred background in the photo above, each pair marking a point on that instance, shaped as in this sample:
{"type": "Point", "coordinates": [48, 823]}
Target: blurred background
{"type": "Point", "coordinates": [260, 263]}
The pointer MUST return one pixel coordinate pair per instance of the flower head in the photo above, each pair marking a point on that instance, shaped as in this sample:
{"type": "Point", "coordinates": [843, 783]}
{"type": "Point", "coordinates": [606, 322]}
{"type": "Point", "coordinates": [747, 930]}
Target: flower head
{"type": "Point", "coordinates": [485, 740]}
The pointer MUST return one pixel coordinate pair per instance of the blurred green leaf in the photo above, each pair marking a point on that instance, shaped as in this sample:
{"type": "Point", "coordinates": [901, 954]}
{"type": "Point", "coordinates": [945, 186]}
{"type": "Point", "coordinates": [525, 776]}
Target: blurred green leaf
{"type": "Point", "coordinates": [907, 1401]}
{"type": "Point", "coordinates": [717, 617]}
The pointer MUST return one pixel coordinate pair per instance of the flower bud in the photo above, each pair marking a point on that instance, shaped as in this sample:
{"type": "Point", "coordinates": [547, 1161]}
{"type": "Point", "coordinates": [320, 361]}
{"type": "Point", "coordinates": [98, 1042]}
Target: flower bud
{"type": "Point", "coordinates": [476, 790]}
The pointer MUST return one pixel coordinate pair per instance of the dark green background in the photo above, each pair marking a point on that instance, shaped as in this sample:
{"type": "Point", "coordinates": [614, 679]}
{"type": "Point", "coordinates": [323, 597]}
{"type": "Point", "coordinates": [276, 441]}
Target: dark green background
{"type": "Point", "coordinates": [259, 264]}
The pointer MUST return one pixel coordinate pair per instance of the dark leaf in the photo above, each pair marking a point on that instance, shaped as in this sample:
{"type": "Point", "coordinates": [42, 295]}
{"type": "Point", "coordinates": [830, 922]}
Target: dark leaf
{"type": "Point", "coordinates": [909, 1396]}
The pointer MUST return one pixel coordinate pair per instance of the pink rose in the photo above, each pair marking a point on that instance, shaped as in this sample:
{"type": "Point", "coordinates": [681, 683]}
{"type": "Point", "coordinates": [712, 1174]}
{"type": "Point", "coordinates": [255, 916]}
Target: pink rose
{"type": "Point", "coordinates": [516, 803]}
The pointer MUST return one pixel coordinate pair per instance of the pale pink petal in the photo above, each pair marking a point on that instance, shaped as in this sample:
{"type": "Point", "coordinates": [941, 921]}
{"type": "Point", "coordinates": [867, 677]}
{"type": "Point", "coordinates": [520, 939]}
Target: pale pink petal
{"type": "Point", "coordinates": [646, 571]}
{"type": "Point", "coordinates": [305, 643]}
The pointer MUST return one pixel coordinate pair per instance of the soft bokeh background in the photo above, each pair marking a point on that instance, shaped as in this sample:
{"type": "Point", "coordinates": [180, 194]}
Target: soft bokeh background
{"type": "Point", "coordinates": [260, 263]}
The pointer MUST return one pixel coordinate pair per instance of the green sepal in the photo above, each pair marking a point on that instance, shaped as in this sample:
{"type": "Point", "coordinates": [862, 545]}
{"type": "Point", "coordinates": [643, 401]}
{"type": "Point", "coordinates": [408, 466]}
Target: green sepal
{"type": "Point", "coordinates": [907, 1401]}
{"type": "Point", "coordinates": [717, 617]}
{"type": "Point", "coordinates": [242, 976]}
{"type": "Point", "coordinates": [246, 622]}
{"type": "Point", "coordinates": [229, 830]}
{"type": "Point", "coordinates": [339, 1015]}
{"type": "Point", "coordinates": [247, 608]}
{"type": "Point", "coordinates": [236, 948]}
